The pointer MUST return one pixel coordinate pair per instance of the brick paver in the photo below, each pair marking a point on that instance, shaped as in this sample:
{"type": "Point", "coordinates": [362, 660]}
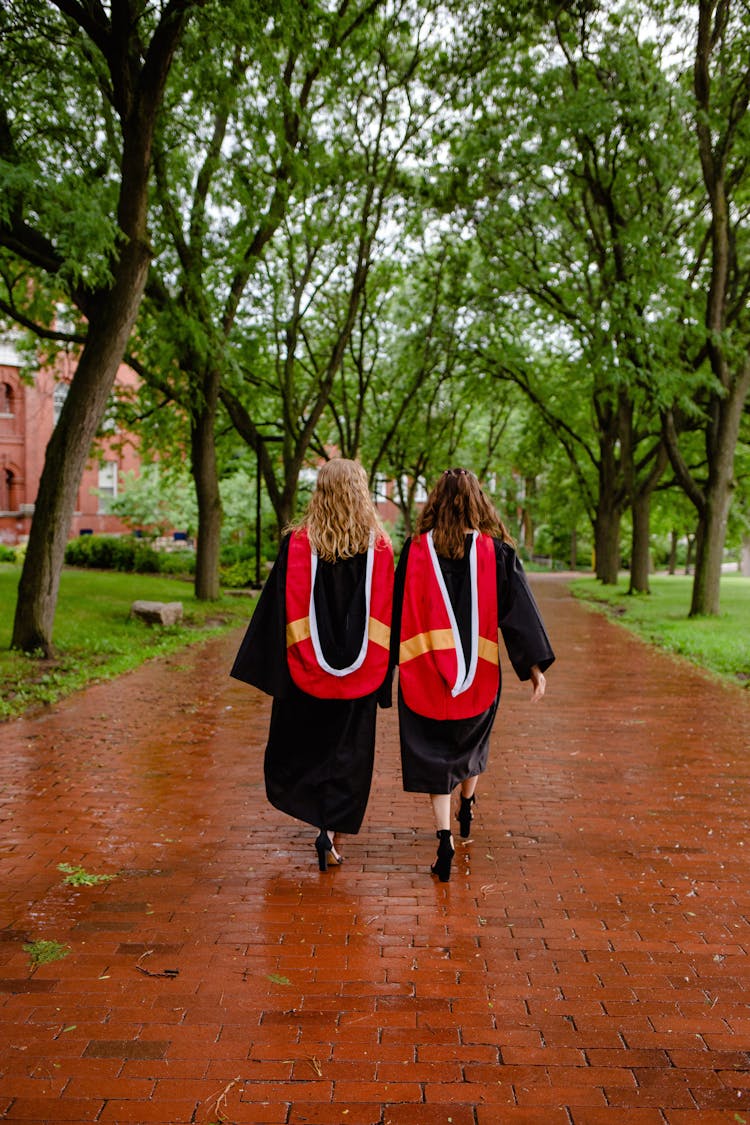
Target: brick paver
{"type": "Point", "coordinates": [587, 964]}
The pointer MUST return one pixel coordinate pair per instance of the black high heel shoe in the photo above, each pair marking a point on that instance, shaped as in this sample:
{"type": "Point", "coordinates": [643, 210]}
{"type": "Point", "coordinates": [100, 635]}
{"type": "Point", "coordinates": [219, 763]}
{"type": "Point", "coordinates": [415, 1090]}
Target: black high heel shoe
{"type": "Point", "coordinates": [442, 865]}
{"type": "Point", "coordinates": [465, 816]}
{"type": "Point", "coordinates": [326, 851]}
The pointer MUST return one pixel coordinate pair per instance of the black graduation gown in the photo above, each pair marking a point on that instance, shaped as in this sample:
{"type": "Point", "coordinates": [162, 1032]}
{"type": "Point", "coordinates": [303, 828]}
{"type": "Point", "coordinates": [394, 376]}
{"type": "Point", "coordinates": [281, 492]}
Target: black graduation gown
{"type": "Point", "coordinates": [437, 754]}
{"type": "Point", "coordinates": [320, 752]}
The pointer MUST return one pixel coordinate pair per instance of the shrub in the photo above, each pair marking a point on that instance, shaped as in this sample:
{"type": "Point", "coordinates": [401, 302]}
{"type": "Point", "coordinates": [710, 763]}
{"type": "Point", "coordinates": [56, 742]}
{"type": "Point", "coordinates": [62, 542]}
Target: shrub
{"type": "Point", "coordinates": [176, 562]}
{"type": "Point", "coordinates": [238, 575]}
{"type": "Point", "coordinates": [124, 553]}
{"type": "Point", "coordinates": [7, 554]}
{"type": "Point", "coordinates": [103, 552]}
{"type": "Point", "coordinates": [144, 560]}
{"type": "Point", "coordinates": [120, 552]}
{"type": "Point", "coordinates": [78, 551]}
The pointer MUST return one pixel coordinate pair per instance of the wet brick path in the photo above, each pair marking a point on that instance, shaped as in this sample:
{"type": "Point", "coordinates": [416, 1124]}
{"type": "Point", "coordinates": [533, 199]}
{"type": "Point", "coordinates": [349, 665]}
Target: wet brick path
{"type": "Point", "coordinates": [588, 963]}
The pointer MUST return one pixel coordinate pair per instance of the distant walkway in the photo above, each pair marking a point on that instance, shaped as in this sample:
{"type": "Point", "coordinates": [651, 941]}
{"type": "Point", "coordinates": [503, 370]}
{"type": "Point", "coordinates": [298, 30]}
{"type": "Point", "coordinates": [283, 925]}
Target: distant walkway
{"type": "Point", "coordinates": [588, 963]}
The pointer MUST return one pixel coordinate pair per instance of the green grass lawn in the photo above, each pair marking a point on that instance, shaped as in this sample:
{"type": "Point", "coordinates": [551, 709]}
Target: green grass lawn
{"type": "Point", "coordinates": [94, 636]}
{"type": "Point", "coordinates": [719, 644]}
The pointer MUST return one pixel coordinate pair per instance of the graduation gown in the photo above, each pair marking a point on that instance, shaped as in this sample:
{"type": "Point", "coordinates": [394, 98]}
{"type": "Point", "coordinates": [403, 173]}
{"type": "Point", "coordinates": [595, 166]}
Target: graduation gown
{"type": "Point", "coordinates": [320, 752]}
{"type": "Point", "coordinates": [437, 754]}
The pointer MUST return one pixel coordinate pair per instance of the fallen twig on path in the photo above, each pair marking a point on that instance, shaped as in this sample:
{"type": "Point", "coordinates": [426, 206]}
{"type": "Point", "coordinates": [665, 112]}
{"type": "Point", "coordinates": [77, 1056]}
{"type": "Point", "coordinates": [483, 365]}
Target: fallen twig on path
{"type": "Point", "coordinates": [171, 973]}
{"type": "Point", "coordinates": [220, 1099]}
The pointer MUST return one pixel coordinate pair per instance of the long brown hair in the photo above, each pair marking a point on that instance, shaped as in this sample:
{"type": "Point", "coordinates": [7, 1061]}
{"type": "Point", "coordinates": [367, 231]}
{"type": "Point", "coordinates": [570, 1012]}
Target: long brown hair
{"type": "Point", "coordinates": [341, 514]}
{"type": "Point", "coordinates": [456, 505]}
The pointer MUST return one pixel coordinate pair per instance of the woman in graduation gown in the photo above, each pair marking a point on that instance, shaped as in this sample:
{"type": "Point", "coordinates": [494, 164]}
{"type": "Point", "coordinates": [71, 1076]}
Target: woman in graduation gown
{"type": "Point", "coordinates": [318, 642]}
{"type": "Point", "coordinates": [458, 581]}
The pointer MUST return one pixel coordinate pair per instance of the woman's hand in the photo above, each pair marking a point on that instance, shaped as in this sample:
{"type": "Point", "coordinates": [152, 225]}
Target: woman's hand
{"type": "Point", "coordinates": [538, 684]}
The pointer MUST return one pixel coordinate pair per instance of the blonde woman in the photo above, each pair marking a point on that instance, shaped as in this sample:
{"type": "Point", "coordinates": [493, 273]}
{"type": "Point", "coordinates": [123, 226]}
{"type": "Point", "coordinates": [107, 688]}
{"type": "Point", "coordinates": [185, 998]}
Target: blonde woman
{"type": "Point", "coordinates": [458, 582]}
{"type": "Point", "coordinates": [318, 643]}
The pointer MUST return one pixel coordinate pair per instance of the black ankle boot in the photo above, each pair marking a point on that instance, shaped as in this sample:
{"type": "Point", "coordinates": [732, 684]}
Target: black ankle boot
{"type": "Point", "coordinates": [465, 815]}
{"type": "Point", "coordinates": [442, 865]}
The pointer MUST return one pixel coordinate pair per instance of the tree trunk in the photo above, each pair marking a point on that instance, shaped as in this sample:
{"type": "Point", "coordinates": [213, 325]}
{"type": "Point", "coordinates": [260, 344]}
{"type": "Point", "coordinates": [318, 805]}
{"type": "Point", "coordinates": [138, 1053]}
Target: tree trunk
{"type": "Point", "coordinates": [609, 502]}
{"type": "Point", "coordinates": [713, 502]}
{"type": "Point", "coordinates": [640, 559]}
{"type": "Point", "coordinates": [712, 525]}
{"type": "Point", "coordinates": [608, 516]}
{"type": "Point", "coordinates": [206, 478]}
{"type": "Point", "coordinates": [67, 452]}
{"type": "Point", "coordinates": [607, 545]}
{"type": "Point", "coordinates": [745, 557]}
{"type": "Point", "coordinates": [287, 498]}
{"type": "Point", "coordinates": [709, 552]}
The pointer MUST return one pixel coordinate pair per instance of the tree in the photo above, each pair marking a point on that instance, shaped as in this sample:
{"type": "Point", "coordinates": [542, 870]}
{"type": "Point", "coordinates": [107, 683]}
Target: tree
{"type": "Point", "coordinates": [156, 501]}
{"type": "Point", "coordinates": [720, 268]}
{"type": "Point", "coordinates": [252, 128]}
{"type": "Point", "coordinates": [75, 204]}
{"type": "Point", "coordinates": [314, 283]}
{"type": "Point", "coordinates": [404, 399]}
{"type": "Point", "coordinates": [577, 266]}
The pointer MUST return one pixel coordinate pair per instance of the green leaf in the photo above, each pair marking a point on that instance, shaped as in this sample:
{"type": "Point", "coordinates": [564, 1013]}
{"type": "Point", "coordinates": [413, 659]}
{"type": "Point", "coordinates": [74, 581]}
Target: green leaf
{"type": "Point", "coordinates": [277, 979]}
{"type": "Point", "coordinates": [77, 877]}
{"type": "Point", "coordinates": [42, 952]}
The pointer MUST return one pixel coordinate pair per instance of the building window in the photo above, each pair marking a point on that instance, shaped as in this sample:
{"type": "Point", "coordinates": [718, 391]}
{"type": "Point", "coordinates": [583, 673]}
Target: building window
{"type": "Point", "coordinates": [420, 489]}
{"type": "Point", "coordinates": [6, 398]}
{"type": "Point", "coordinates": [60, 394]}
{"type": "Point", "coordinates": [107, 491]}
{"type": "Point", "coordinates": [380, 488]}
{"type": "Point", "coordinates": [6, 487]}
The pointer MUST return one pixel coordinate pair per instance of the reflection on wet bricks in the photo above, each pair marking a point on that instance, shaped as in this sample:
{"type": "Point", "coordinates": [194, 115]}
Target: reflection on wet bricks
{"type": "Point", "coordinates": [587, 963]}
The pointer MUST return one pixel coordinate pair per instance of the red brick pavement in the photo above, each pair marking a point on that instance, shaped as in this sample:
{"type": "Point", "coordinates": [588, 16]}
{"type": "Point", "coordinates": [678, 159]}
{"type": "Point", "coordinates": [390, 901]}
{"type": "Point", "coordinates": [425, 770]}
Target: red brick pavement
{"type": "Point", "coordinates": [587, 964]}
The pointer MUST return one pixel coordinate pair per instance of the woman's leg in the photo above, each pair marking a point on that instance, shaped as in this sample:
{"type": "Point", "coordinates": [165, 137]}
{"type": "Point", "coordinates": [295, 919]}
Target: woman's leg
{"type": "Point", "coordinates": [468, 785]}
{"type": "Point", "coordinates": [441, 808]}
{"type": "Point", "coordinates": [465, 815]}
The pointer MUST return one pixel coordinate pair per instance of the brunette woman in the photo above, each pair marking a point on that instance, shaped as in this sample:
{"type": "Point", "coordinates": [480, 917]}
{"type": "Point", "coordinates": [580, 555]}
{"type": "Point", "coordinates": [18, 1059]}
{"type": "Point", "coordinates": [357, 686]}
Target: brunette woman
{"type": "Point", "coordinates": [318, 643]}
{"type": "Point", "coordinates": [458, 581]}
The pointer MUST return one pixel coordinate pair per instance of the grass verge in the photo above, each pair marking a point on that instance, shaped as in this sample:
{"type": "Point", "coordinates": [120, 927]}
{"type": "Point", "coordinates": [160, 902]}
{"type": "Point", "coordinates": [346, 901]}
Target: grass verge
{"type": "Point", "coordinates": [718, 644]}
{"type": "Point", "coordinates": [94, 636]}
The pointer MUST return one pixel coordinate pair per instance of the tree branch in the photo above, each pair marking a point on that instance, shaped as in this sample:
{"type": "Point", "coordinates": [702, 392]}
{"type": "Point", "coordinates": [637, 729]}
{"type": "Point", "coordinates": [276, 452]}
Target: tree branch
{"type": "Point", "coordinates": [679, 466]}
{"type": "Point", "coordinates": [38, 330]}
{"type": "Point", "coordinates": [90, 17]}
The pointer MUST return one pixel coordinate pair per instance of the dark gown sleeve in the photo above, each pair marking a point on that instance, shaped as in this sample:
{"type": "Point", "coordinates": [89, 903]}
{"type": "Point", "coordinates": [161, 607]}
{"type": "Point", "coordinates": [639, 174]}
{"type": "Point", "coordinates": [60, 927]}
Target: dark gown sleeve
{"type": "Point", "coordinates": [519, 619]}
{"type": "Point", "coordinates": [261, 660]}
{"type": "Point", "coordinates": [385, 695]}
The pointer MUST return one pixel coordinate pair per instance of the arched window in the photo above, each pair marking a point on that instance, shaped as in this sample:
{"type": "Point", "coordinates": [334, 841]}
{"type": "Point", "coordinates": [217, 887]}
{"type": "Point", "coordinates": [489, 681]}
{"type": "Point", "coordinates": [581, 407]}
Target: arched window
{"type": "Point", "coordinates": [6, 484]}
{"type": "Point", "coordinates": [6, 398]}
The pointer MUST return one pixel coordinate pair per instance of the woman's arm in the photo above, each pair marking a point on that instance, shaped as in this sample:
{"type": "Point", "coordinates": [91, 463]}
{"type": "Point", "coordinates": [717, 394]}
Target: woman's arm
{"type": "Point", "coordinates": [538, 684]}
{"type": "Point", "coordinates": [520, 621]}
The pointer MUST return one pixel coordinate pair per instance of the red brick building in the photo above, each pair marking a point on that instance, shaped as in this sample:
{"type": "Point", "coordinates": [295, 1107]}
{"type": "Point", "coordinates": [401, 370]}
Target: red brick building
{"type": "Point", "coordinates": [28, 413]}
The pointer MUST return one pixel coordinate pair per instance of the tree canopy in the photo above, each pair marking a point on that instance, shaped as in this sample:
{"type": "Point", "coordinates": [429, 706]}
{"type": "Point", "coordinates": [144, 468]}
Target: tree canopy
{"type": "Point", "coordinates": [411, 231]}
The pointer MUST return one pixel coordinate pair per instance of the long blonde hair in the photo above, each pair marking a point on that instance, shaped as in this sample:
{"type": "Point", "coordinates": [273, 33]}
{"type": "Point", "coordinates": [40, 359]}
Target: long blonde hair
{"type": "Point", "coordinates": [456, 505]}
{"type": "Point", "coordinates": [341, 515]}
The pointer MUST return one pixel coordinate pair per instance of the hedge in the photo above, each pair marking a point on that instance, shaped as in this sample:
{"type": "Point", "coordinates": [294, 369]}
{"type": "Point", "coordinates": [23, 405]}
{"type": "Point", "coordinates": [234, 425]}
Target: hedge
{"type": "Point", "coordinates": [126, 553]}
